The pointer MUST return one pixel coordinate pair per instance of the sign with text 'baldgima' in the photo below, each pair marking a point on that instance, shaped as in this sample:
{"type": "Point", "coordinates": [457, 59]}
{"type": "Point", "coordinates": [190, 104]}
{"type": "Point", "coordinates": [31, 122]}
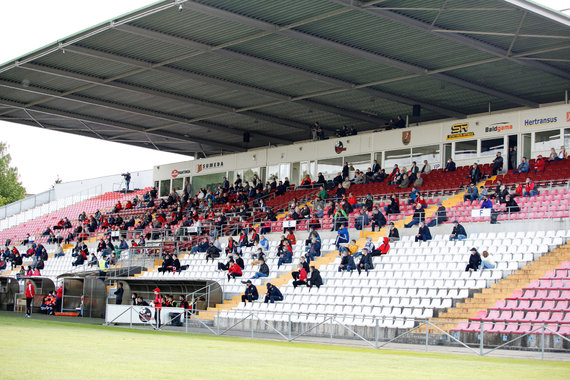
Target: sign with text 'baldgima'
{"type": "Point", "coordinates": [460, 131]}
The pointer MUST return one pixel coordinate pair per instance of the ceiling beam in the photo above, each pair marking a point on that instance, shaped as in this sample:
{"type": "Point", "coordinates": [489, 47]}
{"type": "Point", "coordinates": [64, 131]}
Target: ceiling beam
{"type": "Point", "coordinates": [120, 125]}
{"type": "Point", "coordinates": [462, 39]}
{"type": "Point", "coordinates": [233, 55]}
{"type": "Point", "coordinates": [161, 94]}
{"type": "Point", "coordinates": [350, 50]}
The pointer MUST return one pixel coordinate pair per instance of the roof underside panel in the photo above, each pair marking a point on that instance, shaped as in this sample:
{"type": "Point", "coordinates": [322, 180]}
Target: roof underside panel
{"type": "Point", "coordinates": [195, 80]}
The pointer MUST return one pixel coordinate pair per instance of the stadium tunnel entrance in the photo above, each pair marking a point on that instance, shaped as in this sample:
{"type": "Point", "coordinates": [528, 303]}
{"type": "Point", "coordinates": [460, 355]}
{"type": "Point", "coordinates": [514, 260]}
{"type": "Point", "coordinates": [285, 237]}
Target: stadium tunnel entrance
{"type": "Point", "coordinates": [9, 287]}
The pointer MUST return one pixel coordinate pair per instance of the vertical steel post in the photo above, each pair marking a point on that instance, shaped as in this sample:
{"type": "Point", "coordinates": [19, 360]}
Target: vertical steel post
{"type": "Point", "coordinates": [251, 322]}
{"type": "Point", "coordinates": [289, 327]}
{"type": "Point", "coordinates": [218, 322]}
{"type": "Point", "coordinates": [542, 343]}
{"type": "Point", "coordinates": [131, 317]}
{"type": "Point", "coordinates": [331, 329]}
{"type": "Point", "coordinates": [376, 332]}
{"type": "Point", "coordinates": [427, 335]}
{"type": "Point", "coordinates": [481, 340]}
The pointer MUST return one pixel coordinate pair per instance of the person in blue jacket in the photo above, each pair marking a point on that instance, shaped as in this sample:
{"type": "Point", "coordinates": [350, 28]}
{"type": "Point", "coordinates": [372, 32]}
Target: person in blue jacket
{"type": "Point", "coordinates": [342, 237]}
{"type": "Point", "coordinates": [273, 294]}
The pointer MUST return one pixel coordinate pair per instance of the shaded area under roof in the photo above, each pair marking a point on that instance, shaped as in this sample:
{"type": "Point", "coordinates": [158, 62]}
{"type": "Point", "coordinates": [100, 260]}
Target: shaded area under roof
{"type": "Point", "coordinates": [192, 77]}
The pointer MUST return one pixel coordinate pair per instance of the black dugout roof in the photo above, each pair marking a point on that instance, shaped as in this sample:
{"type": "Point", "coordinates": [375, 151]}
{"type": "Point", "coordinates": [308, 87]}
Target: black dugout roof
{"type": "Point", "coordinates": [193, 76]}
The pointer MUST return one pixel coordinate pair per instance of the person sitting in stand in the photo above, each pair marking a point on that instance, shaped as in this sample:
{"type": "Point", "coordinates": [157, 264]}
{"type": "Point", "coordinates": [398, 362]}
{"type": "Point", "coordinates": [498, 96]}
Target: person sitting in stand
{"type": "Point", "coordinates": [562, 155]}
{"type": "Point", "coordinates": [378, 219]}
{"type": "Point", "coordinates": [250, 293]}
{"type": "Point", "coordinates": [472, 193]}
{"type": "Point", "coordinates": [487, 261]}
{"type": "Point", "coordinates": [315, 279]}
{"type": "Point", "coordinates": [394, 206]}
{"type": "Point", "coordinates": [405, 183]}
{"type": "Point", "coordinates": [314, 249]}
{"type": "Point", "coordinates": [487, 203]}
{"type": "Point", "coordinates": [301, 277]}
{"type": "Point", "coordinates": [351, 247]}
{"type": "Point", "coordinates": [212, 252]}
{"type": "Point", "coordinates": [263, 270]}
{"type": "Point", "coordinates": [440, 216]}
{"type": "Point", "coordinates": [361, 219]}
{"type": "Point", "coordinates": [482, 193]}
{"type": "Point", "coordinates": [382, 249]}
{"type": "Point", "coordinates": [450, 166]}
{"type": "Point", "coordinates": [497, 164]}
{"type": "Point", "coordinates": [291, 237]}
{"type": "Point", "coordinates": [346, 263]}
{"type": "Point", "coordinates": [342, 237]}
{"type": "Point", "coordinates": [273, 294]}
{"type": "Point", "coordinates": [393, 234]}
{"type": "Point", "coordinates": [365, 262]}
{"type": "Point", "coordinates": [423, 233]}
{"type": "Point", "coordinates": [529, 188]}
{"type": "Point", "coordinates": [306, 181]}
{"type": "Point", "coordinates": [553, 156]}
{"type": "Point", "coordinates": [539, 164]}
{"type": "Point", "coordinates": [474, 261]}
{"type": "Point", "coordinates": [426, 169]}
{"type": "Point", "coordinates": [511, 206]}
{"type": "Point", "coordinates": [458, 232]}
{"type": "Point", "coordinates": [419, 216]}
{"type": "Point", "coordinates": [524, 167]}
{"type": "Point", "coordinates": [286, 255]}
{"type": "Point", "coordinates": [234, 271]}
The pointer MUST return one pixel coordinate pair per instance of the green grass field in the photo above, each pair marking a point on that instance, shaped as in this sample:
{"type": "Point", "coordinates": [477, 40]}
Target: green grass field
{"type": "Point", "coordinates": [33, 348]}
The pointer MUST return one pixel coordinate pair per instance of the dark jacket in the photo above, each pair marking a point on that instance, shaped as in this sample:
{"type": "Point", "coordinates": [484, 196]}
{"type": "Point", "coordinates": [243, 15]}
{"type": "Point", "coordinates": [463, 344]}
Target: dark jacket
{"type": "Point", "coordinates": [252, 290]}
{"type": "Point", "coordinates": [424, 231]}
{"type": "Point", "coordinates": [441, 214]}
{"type": "Point", "coordinates": [316, 279]}
{"type": "Point", "coordinates": [458, 230]}
{"type": "Point", "coordinates": [348, 260]}
{"type": "Point", "coordinates": [512, 206]}
{"type": "Point", "coordinates": [263, 268]}
{"type": "Point", "coordinates": [366, 262]}
{"type": "Point", "coordinates": [394, 233]}
{"type": "Point", "coordinates": [450, 166]}
{"type": "Point", "coordinates": [475, 260]}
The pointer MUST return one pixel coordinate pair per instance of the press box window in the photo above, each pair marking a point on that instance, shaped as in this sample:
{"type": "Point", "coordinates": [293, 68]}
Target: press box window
{"type": "Point", "coordinates": [465, 149]}
{"type": "Point", "coordinates": [492, 146]}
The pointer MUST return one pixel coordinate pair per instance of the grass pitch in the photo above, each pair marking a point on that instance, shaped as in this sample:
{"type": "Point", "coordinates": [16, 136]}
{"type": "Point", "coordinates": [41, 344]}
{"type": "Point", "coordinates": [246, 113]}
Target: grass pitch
{"type": "Point", "coordinates": [40, 349]}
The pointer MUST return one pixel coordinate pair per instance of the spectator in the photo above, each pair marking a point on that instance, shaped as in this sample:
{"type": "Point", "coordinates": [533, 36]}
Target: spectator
{"type": "Point", "coordinates": [264, 243]}
{"type": "Point", "coordinates": [365, 262]}
{"type": "Point", "coordinates": [394, 235]}
{"type": "Point", "coordinates": [419, 216]}
{"type": "Point", "coordinates": [212, 252]}
{"type": "Point", "coordinates": [471, 193]}
{"type": "Point", "coordinates": [58, 252]}
{"type": "Point", "coordinates": [346, 263]}
{"type": "Point", "coordinates": [314, 249]}
{"type": "Point", "coordinates": [482, 193]}
{"type": "Point", "coordinates": [475, 174]}
{"type": "Point", "coordinates": [511, 205]}
{"type": "Point", "coordinates": [323, 193]}
{"type": "Point", "coordinates": [394, 206]}
{"type": "Point", "coordinates": [529, 188]}
{"type": "Point", "coordinates": [383, 249]}
{"type": "Point", "coordinates": [250, 294]}
{"type": "Point", "coordinates": [487, 203]}
{"type": "Point", "coordinates": [487, 261]}
{"type": "Point", "coordinates": [286, 255]}
{"type": "Point", "coordinates": [351, 247]}
{"type": "Point", "coordinates": [474, 261]}
{"type": "Point", "coordinates": [513, 157]}
{"type": "Point", "coordinates": [424, 233]}
{"type": "Point", "coordinates": [419, 182]}
{"type": "Point", "coordinates": [405, 182]}
{"type": "Point", "coordinates": [29, 294]}
{"type": "Point", "coordinates": [524, 167]}
{"type": "Point", "coordinates": [361, 219]}
{"type": "Point", "coordinates": [378, 219]}
{"type": "Point", "coordinates": [291, 237]}
{"type": "Point", "coordinates": [450, 166]}
{"type": "Point", "coordinates": [539, 164]}
{"type": "Point", "coordinates": [234, 271]}
{"type": "Point", "coordinates": [440, 216]}
{"type": "Point", "coordinates": [497, 164]}
{"type": "Point", "coordinates": [273, 294]}
{"type": "Point", "coordinates": [562, 155]}
{"type": "Point", "coordinates": [315, 279]}
{"type": "Point", "coordinates": [157, 307]}
{"type": "Point", "coordinates": [458, 232]}
{"type": "Point", "coordinates": [263, 270]}
{"type": "Point", "coordinates": [426, 169]}
{"type": "Point", "coordinates": [302, 276]}
{"type": "Point", "coordinates": [369, 245]}
{"type": "Point", "coordinates": [119, 293]}
{"type": "Point", "coordinates": [342, 236]}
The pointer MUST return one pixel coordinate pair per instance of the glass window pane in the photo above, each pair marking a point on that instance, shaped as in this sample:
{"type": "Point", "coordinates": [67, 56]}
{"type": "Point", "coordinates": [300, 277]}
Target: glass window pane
{"type": "Point", "coordinates": [402, 157]}
{"type": "Point", "coordinates": [164, 187]}
{"type": "Point", "coordinates": [566, 138]}
{"type": "Point", "coordinates": [361, 162]}
{"type": "Point", "coordinates": [492, 146]}
{"type": "Point", "coordinates": [378, 157]}
{"type": "Point", "coordinates": [208, 181]}
{"type": "Point", "coordinates": [465, 149]}
{"type": "Point", "coordinates": [178, 184]}
{"type": "Point", "coordinates": [273, 172]}
{"type": "Point", "coordinates": [547, 139]}
{"type": "Point", "coordinates": [284, 170]}
{"type": "Point", "coordinates": [431, 153]}
{"type": "Point", "coordinates": [330, 167]}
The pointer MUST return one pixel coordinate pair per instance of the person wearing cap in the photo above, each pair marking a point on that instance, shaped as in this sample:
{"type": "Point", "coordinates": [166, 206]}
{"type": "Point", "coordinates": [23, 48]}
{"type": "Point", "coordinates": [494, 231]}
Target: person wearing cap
{"type": "Point", "coordinates": [273, 294]}
{"type": "Point", "coordinates": [458, 232]}
{"type": "Point", "coordinates": [474, 261]}
{"type": "Point", "coordinates": [440, 216]}
{"type": "Point", "coordinates": [157, 306]}
{"type": "Point", "coordinates": [539, 164]}
{"type": "Point", "coordinates": [529, 189]}
{"type": "Point", "coordinates": [251, 293]}
{"type": "Point", "coordinates": [393, 235]}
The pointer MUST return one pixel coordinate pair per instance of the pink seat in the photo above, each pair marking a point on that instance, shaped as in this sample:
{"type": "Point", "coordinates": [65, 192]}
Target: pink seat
{"type": "Point", "coordinates": [524, 328]}
{"type": "Point", "coordinates": [543, 316]}
{"type": "Point", "coordinates": [554, 294]}
{"type": "Point", "coordinates": [481, 314]}
{"type": "Point", "coordinates": [549, 305]}
{"type": "Point", "coordinates": [505, 315]}
{"type": "Point", "coordinates": [561, 305]}
{"type": "Point", "coordinates": [564, 330]}
{"type": "Point", "coordinates": [536, 305]}
{"type": "Point", "coordinates": [524, 305]}
{"type": "Point", "coordinates": [517, 316]}
{"type": "Point", "coordinates": [511, 328]}
{"type": "Point", "coordinates": [461, 326]}
{"type": "Point", "coordinates": [499, 327]}
{"type": "Point", "coordinates": [492, 316]}
{"type": "Point", "coordinates": [557, 284]}
{"type": "Point", "coordinates": [551, 328]}
{"type": "Point", "coordinates": [541, 294]}
{"type": "Point", "coordinates": [534, 284]}
{"type": "Point", "coordinates": [530, 316]}
{"type": "Point", "coordinates": [516, 294]}
{"type": "Point", "coordinates": [557, 317]}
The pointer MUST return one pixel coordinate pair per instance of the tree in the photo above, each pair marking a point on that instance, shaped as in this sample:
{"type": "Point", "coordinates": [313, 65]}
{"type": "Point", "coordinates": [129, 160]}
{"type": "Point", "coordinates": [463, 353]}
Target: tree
{"type": "Point", "coordinates": [11, 188]}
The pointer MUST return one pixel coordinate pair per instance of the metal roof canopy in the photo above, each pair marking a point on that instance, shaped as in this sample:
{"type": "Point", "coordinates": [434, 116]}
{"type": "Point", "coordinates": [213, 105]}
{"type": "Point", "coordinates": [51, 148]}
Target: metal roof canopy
{"type": "Point", "coordinates": [192, 77]}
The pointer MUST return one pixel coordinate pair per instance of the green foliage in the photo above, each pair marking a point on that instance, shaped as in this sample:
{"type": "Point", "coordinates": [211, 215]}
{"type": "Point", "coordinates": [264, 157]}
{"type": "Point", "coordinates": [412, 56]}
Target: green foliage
{"type": "Point", "coordinates": [11, 188]}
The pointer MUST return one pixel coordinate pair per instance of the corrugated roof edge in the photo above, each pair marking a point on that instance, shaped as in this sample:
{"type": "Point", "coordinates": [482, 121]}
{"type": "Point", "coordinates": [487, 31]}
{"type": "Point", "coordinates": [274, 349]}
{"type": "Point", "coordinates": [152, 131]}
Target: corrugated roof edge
{"type": "Point", "coordinates": [98, 28]}
{"type": "Point", "coordinates": [541, 10]}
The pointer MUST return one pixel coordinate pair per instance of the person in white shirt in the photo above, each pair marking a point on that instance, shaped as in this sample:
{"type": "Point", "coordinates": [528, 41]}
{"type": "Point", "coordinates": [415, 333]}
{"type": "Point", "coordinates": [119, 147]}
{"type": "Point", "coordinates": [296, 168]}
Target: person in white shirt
{"type": "Point", "coordinates": [487, 261]}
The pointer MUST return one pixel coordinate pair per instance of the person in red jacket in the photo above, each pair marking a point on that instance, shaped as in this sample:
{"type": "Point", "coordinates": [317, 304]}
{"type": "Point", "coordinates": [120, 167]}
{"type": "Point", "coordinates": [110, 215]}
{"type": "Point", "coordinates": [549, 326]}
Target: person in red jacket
{"type": "Point", "coordinates": [234, 271]}
{"type": "Point", "coordinates": [157, 307]}
{"type": "Point", "coordinates": [59, 297]}
{"type": "Point", "coordinates": [383, 249]}
{"type": "Point", "coordinates": [529, 188]}
{"type": "Point", "coordinates": [302, 280]}
{"type": "Point", "coordinates": [29, 293]}
{"type": "Point", "coordinates": [539, 164]}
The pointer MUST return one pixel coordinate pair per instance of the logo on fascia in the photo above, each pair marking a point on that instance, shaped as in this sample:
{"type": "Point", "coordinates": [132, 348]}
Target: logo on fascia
{"type": "Point", "coordinates": [175, 173]}
{"type": "Point", "coordinates": [209, 165]}
{"type": "Point", "coordinates": [540, 121]}
{"type": "Point", "coordinates": [460, 131]}
{"type": "Point", "coordinates": [339, 147]}
{"type": "Point", "coordinates": [567, 116]}
{"type": "Point", "coordinates": [499, 127]}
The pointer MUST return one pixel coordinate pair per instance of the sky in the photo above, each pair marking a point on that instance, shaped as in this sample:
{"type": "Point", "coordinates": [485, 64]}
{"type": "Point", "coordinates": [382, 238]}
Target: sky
{"type": "Point", "coordinates": [42, 156]}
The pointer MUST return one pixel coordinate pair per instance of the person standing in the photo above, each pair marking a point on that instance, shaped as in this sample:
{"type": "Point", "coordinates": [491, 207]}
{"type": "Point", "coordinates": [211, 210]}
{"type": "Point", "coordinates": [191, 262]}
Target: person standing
{"type": "Point", "coordinates": [119, 294]}
{"type": "Point", "coordinates": [59, 298]}
{"type": "Point", "coordinates": [157, 307]}
{"type": "Point", "coordinates": [29, 293]}
{"type": "Point", "coordinates": [513, 158]}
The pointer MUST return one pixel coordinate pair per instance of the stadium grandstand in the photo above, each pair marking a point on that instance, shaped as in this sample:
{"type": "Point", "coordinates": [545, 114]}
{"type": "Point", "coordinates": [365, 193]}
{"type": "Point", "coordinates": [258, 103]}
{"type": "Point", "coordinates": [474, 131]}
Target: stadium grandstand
{"type": "Point", "coordinates": [391, 170]}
